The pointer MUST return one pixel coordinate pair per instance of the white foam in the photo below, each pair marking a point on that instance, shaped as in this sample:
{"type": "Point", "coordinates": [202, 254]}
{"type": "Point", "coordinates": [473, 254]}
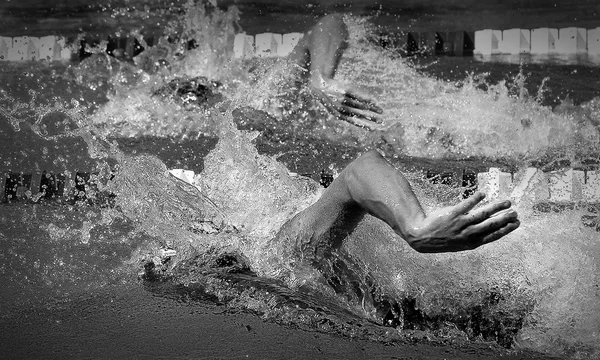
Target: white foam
{"type": "Point", "coordinates": [62, 41]}
{"type": "Point", "coordinates": [65, 54]}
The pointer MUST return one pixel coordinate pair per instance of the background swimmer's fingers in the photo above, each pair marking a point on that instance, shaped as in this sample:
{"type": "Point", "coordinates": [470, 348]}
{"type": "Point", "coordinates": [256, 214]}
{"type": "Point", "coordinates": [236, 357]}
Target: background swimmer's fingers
{"type": "Point", "coordinates": [362, 102]}
{"type": "Point", "coordinates": [359, 122]}
{"type": "Point", "coordinates": [347, 109]}
{"type": "Point", "coordinates": [361, 105]}
{"type": "Point", "coordinates": [367, 115]}
{"type": "Point", "coordinates": [325, 99]}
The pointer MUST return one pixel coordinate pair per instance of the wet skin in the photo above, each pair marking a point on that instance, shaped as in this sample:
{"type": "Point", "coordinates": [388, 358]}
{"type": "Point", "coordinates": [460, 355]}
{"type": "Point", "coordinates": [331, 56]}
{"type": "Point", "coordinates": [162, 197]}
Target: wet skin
{"type": "Point", "coordinates": [319, 52]}
{"type": "Point", "coordinates": [372, 185]}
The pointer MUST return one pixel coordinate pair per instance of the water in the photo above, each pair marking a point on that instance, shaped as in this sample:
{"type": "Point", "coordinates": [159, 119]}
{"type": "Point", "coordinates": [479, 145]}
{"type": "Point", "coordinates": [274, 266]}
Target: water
{"type": "Point", "coordinates": [537, 289]}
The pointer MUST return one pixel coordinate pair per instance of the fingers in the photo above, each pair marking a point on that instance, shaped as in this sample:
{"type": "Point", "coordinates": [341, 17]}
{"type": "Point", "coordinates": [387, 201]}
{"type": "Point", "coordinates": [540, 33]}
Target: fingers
{"type": "Point", "coordinates": [349, 111]}
{"type": "Point", "coordinates": [325, 100]}
{"type": "Point", "coordinates": [359, 122]}
{"type": "Point", "coordinates": [487, 224]}
{"type": "Point", "coordinates": [491, 225]}
{"type": "Point", "coordinates": [467, 205]}
{"type": "Point", "coordinates": [350, 107]}
{"type": "Point", "coordinates": [508, 228]}
{"type": "Point", "coordinates": [490, 210]}
{"type": "Point", "coordinates": [487, 234]}
{"type": "Point", "coordinates": [361, 102]}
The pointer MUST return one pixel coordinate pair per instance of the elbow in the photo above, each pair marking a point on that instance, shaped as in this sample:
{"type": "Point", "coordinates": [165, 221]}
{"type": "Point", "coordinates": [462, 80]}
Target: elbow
{"type": "Point", "coordinates": [366, 160]}
{"type": "Point", "coordinates": [373, 155]}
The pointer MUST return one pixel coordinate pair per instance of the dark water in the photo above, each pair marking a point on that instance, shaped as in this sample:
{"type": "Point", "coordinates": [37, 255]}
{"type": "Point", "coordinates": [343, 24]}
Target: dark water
{"type": "Point", "coordinates": [56, 255]}
{"type": "Point", "coordinates": [70, 294]}
{"type": "Point", "coordinates": [69, 18]}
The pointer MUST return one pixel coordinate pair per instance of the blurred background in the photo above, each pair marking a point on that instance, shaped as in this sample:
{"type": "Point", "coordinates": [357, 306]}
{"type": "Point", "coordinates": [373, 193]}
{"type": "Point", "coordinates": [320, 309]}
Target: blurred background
{"type": "Point", "coordinates": [71, 17]}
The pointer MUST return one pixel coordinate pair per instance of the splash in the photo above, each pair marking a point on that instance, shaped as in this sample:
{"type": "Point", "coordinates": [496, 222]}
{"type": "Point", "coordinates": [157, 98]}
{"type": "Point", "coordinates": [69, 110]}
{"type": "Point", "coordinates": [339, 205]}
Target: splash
{"type": "Point", "coordinates": [197, 44]}
{"type": "Point", "coordinates": [434, 119]}
{"type": "Point", "coordinates": [538, 288]}
{"type": "Point", "coordinates": [17, 112]}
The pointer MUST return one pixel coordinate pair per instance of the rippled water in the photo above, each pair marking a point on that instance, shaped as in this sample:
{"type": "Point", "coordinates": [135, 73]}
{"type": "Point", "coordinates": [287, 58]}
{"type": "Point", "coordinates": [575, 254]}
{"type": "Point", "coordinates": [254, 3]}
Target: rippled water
{"type": "Point", "coordinates": [537, 289]}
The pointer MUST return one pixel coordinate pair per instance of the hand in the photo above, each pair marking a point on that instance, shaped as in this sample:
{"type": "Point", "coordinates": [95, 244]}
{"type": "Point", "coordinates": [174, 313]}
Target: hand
{"type": "Point", "coordinates": [347, 104]}
{"type": "Point", "coordinates": [458, 228]}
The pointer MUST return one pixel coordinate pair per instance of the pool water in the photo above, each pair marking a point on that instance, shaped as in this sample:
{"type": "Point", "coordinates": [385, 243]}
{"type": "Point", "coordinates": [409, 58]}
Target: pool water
{"type": "Point", "coordinates": [537, 289]}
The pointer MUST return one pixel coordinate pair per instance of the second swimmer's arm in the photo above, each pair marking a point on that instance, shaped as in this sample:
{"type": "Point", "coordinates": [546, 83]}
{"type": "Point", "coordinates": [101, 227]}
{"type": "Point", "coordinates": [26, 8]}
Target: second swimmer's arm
{"type": "Point", "coordinates": [319, 53]}
{"type": "Point", "coordinates": [320, 49]}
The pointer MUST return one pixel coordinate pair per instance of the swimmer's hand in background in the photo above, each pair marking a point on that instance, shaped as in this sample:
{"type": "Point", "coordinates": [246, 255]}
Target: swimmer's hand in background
{"type": "Point", "coordinates": [319, 52]}
{"type": "Point", "coordinates": [459, 227]}
{"type": "Point", "coordinates": [346, 103]}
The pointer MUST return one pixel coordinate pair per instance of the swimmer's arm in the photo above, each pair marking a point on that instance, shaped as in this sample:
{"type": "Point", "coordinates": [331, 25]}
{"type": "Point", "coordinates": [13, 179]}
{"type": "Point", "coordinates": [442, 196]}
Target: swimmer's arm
{"type": "Point", "coordinates": [321, 48]}
{"type": "Point", "coordinates": [319, 52]}
{"type": "Point", "coordinates": [372, 185]}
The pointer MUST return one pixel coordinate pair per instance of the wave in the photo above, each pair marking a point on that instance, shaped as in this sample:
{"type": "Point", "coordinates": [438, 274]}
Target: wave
{"type": "Point", "coordinates": [538, 288]}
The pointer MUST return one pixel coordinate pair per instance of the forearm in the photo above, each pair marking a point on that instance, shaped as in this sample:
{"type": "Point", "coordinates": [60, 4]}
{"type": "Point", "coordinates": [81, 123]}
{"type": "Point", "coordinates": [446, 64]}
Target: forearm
{"type": "Point", "coordinates": [321, 48]}
{"type": "Point", "coordinates": [379, 189]}
{"type": "Point", "coordinates": [372, 185]}
{"type": "Point", "coordinates": [368, 185]}
{"type": "Point", "coordinates": [328, 221]}
{"type": "Point", "coordinates": [326, 43]}
{"type": "Point", "coordinates": [382, 191]}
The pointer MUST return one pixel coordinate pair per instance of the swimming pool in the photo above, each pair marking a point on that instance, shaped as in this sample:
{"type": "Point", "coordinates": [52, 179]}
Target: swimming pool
{"type": "Point", "coordinates": [536, 289]}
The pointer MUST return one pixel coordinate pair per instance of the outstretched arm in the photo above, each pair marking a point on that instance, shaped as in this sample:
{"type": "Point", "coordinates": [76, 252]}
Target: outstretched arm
{"type": "Point", "coordinates": [320, 51]}
{"type": "Point", "coordinates": [372, 185]}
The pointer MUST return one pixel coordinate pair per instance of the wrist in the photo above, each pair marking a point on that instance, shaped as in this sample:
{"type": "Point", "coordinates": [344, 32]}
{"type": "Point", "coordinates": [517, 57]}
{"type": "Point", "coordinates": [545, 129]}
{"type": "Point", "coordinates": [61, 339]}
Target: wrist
{"type": "Point", "coordinates": [411, 234]}
{"type": "Point", "coordinates": [415, 236]}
